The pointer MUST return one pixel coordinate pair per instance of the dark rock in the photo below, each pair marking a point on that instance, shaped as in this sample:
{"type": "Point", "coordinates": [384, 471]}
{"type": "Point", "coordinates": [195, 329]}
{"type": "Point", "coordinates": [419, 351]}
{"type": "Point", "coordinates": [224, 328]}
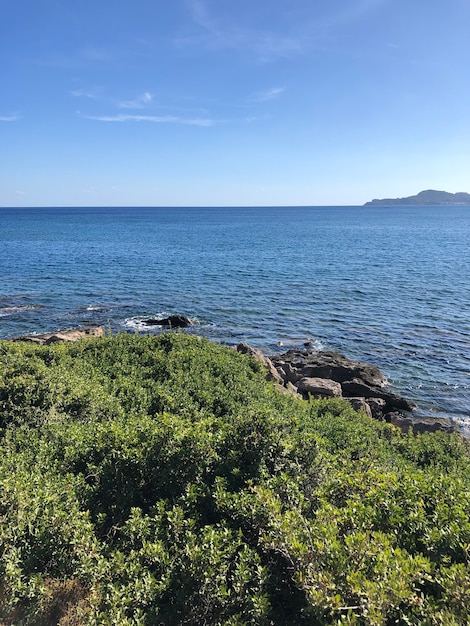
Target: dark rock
{"type": "Point", "coordinates": [330, 374]}
{"type": "Point", "coordinates": [292, 389]}
{"type": "Point", "coordinates": [331, 365]}
{"type": "Point", "coordinates": [175, 321]}
{"type": "Point", "coordinates": [421, 424]}
{"type": "Point", "coordinates": [397, 402]}
{"type": "Point", "coordinates": [357, 387]}
{"type": "Point", "coordinates": [377, 407]}
{"type": "Point", "coordinates": [287, 372]}
{"type": "Point", "coordinates": [357, 379]}
{"type": "Point", "coordinates": [360, 404]}
{"type": "Point", "coordinates": [319, 387]}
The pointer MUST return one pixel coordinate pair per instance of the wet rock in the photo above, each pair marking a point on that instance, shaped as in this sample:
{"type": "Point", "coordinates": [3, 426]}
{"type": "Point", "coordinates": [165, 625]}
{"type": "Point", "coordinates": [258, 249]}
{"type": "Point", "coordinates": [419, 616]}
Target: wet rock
{"type": "Point", "coordinates": [174, 321]}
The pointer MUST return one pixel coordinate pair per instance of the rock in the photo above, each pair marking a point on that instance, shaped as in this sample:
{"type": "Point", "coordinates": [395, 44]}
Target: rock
{"type": "Point", "coordinates": [357, 379]}
{"type": "Point", "coordinates": [319, 387]}
{"type": "Point", "coordinates": [70, 334]}
{"type": "Point", "coordinates": [175, 321]}
{"type": "Point", "coordinates": [331, 365]}
{"type": "Point", "coordinates": [360, 404]}
{"type": "Point", "coordinates": [377, 407]}
{"type": "Point", "coordinates": [292, 389]}
{"type": "Point", "coordinates": [288, 390]}
{"type": "Point", "coordinates": [271, 371]}
{"type": "Point", "coordinates": [357, 387]}
{"type": "Point", "coordinates": [287, 372]}
{"type": "Point", "coordinates": [421, 424]}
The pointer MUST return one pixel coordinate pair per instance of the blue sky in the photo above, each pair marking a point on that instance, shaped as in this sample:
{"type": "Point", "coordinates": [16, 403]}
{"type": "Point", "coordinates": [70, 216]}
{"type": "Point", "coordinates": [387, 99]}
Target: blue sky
{"type": "Point", "coordinates": [217, 102]}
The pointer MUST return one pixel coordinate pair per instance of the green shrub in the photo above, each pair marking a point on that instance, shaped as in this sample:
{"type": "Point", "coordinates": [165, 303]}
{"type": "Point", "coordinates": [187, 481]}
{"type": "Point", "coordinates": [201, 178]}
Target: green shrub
{"type": "Point", "coordinates": [162, 480]}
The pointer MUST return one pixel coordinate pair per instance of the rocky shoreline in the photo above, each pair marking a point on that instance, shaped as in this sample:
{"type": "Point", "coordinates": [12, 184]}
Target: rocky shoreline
{"type": "Point", "coordinates": [308, 373]}
{"type": "Point", "coordinates": [332, 375]}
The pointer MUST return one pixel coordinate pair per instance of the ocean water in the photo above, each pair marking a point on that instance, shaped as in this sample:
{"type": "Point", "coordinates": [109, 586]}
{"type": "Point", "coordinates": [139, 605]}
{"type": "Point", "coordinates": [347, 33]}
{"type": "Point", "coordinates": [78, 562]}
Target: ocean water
{"type": "Point", "coordinates": [390, 286]}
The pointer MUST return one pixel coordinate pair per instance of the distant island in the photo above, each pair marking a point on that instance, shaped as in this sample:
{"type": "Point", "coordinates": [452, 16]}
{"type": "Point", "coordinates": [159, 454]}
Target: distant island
{"type": "Point", "coordinates": [425, 197]}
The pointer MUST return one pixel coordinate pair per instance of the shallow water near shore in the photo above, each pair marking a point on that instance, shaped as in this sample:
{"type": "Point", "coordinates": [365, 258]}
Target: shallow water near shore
{"type": "Point", "coordinates": [390, 286]}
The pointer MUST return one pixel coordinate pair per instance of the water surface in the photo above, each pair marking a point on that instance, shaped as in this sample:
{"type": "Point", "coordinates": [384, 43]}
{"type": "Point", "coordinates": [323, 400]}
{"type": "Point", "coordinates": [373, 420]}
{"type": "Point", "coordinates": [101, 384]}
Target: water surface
{"type": "Point", "coordinates": [386, 285]}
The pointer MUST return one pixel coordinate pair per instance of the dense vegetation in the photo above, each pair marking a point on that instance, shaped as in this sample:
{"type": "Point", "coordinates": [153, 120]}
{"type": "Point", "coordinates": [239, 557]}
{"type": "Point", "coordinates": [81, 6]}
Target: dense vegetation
{"type": "Point", "coordinates": [162, 480]}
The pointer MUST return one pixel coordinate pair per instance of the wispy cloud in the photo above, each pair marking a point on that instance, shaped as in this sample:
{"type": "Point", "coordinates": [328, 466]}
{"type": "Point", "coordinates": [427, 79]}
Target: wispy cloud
{"type": "Point", "coordinates": [91, 94]}
{"type": "Point", "coordinates": [216, 33]}
{"type": "Point", "coordinates": [138, 103]}
{"type": "Point", "coordinates": [143, 101]}
{"type": "Point", "coordinates": [9, 118]}
{"type": "Point", "coordinates": [308, 31]}
{"type": "Point", "coordinates": [155, 119]}
{"type": "Point", "coordinates": [265, 96]}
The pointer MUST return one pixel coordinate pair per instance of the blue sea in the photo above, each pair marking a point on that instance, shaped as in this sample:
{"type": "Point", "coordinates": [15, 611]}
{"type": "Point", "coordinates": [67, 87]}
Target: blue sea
{"type": "Point", "coordinates": [386, 285]}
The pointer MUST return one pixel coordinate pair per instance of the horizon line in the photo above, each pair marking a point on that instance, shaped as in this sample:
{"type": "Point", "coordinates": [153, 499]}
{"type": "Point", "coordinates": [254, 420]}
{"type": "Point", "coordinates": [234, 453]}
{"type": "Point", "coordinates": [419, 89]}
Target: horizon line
{"type": "Point", "coordinates": [173, 206]}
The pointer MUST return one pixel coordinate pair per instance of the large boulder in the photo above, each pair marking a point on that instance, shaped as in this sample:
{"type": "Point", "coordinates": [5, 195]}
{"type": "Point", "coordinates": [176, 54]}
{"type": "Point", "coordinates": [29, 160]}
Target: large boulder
{"type": "Point", "coordinates": [322, 387]}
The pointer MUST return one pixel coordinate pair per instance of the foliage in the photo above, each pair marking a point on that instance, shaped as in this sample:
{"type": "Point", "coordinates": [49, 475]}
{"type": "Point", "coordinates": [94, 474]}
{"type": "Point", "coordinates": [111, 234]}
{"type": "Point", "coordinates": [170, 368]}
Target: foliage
{"type": "Point", "coordinates": [162, 480]}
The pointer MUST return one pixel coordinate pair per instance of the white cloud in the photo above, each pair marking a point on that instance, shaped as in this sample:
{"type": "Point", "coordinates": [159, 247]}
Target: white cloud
{"type": "Point", "coordinates": [9, 118]}
{"type": "Point", "coordinates": [156, 119]}
{"type": "Point", "coordinates": [85, 93]}
{"type": "Point", "coordinates": [138, 103]}
{"type": "Point", "coordinates": [265, 96]}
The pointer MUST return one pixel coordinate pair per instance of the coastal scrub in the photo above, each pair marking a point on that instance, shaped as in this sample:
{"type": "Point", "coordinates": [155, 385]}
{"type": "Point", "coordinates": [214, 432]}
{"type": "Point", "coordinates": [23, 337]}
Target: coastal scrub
{"type": "Point", "coordinates": [162, 480]}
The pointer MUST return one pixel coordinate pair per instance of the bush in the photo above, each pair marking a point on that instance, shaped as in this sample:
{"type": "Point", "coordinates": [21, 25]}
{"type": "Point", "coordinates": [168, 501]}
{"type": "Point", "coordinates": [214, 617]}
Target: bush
{"type": "Point", "coordinates": [162, 480]}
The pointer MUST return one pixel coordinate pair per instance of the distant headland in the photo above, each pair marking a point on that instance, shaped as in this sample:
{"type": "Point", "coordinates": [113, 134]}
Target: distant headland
{"type": "Point", "coordinates": [425, 197]}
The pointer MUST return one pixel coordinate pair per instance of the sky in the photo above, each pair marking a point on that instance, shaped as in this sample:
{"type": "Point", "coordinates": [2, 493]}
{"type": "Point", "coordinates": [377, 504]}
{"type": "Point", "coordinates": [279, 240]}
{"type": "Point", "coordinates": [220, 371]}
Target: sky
{"type": "Point", "coordinates": [232, 103]}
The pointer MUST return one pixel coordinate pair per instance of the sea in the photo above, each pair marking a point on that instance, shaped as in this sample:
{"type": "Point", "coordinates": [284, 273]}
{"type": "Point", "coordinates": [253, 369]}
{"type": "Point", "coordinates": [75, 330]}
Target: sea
{"type": "Point", "coordinates": [384, 285]}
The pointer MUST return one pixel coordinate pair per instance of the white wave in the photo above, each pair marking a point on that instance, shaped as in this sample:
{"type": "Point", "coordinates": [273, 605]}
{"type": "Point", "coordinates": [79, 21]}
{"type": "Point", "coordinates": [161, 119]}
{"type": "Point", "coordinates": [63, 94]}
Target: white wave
{"type": "Point", "coordinates": [300, 343]}
{"type": "Point", "coordinates": [93, 307]}
{"type": "Point", "coordinates": [7, 310]}
{"type": "Point", "coordinates": [138, 322]}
